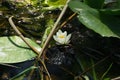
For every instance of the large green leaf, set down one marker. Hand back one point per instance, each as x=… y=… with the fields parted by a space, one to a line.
x=95 y=3
x=14 y=50
x=92 y=19
x=112 y=22
x=95 y=24
x=77 y=5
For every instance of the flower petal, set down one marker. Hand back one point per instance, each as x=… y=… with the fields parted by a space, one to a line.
x=62 y=41
x=55 y=38
x=62 y=37
x=67 y=40
x=64 y=33
x=59 y=32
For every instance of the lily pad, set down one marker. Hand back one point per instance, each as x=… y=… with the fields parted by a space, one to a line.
x=98 y=21
x=13 y=50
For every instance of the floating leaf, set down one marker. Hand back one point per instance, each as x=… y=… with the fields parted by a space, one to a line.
x=95 y=3
x=14 y=50
x=95 y=24
x=96 y=21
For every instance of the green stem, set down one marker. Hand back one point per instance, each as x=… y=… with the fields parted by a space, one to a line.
x=30 y=68
x=93 y=71
x=106 y=71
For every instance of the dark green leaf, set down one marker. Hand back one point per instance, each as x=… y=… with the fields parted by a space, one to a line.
x=95 y=24
x=112 y=22
x=110 y=11
x=118 y=3
x=98 y=4
x=76 y=6
x=96 y=21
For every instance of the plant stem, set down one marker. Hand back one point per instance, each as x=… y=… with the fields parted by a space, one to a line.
x=66 y=21
x=93 y=71
x=21 y=36
x=106 y=71
x=46 y=70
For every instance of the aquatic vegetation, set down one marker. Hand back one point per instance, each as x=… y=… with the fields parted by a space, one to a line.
x=59 y=39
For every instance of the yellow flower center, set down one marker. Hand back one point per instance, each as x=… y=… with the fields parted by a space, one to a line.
x=61 y=36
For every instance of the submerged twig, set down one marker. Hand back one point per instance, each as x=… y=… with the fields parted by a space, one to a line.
x=95 y=65
x=9 y=65
x=2 y=24
x=69 y=18
x=66 y=70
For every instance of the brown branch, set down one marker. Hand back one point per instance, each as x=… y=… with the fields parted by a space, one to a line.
x=21 y=36
x=66 y=21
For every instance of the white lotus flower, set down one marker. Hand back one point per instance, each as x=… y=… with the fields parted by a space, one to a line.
x=62 y=37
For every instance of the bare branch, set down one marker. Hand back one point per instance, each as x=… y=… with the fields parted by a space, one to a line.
x=21 y=36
